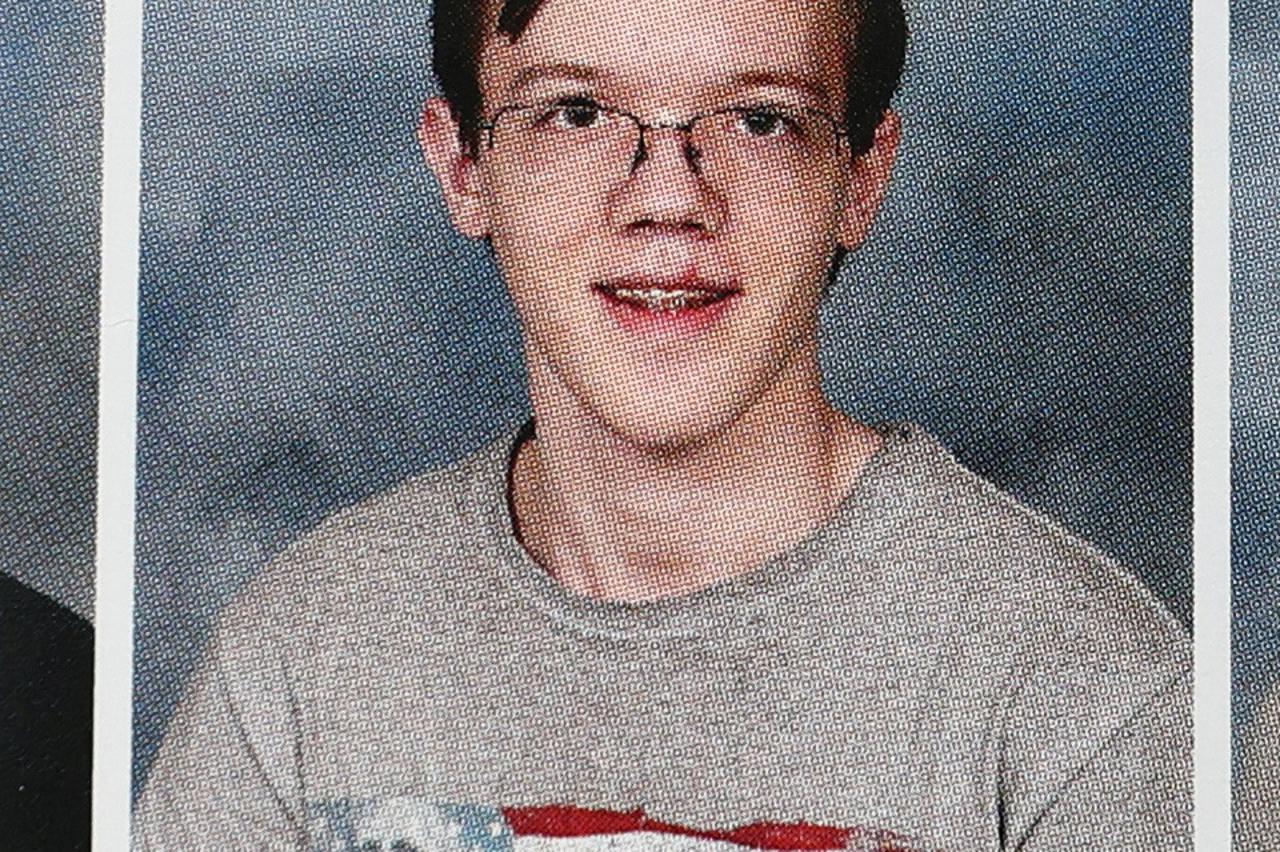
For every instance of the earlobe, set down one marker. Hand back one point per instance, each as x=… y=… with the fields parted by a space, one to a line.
x=869 y=182
x=456 y=171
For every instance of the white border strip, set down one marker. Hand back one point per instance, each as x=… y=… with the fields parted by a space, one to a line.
x=1212 y=327
x=117 y=384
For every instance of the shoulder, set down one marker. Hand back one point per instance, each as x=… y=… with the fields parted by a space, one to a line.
x=1257 y=807
x=1019 y=572
x=47 y=631
x=1087 y=656
x=46 y=701
x=48 y=652
x=387 y=552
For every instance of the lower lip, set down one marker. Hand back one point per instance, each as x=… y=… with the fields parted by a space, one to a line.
x=685 y=322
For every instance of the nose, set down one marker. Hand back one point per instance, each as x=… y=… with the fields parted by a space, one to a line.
x=666 y=189
x=683 y=136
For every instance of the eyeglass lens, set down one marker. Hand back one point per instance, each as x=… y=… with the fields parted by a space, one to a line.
x=586 y=139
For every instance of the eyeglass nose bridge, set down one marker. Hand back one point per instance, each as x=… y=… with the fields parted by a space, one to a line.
x=692 y=154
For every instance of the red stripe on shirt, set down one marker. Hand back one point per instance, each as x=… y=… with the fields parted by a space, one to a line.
x=572 y=821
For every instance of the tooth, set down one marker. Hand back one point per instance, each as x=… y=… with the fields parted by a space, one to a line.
x=657 y=299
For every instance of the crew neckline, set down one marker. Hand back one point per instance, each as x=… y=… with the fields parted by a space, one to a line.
x=701 y=614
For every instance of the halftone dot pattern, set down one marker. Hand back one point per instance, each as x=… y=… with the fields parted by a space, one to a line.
x=1257 y=795
x=313 y=331
x=50 y=131
x=1255 y=421
x=936 y=663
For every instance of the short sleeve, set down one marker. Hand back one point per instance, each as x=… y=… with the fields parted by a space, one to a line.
x=1135 y=793
x=226 y=774
x=1257 y=801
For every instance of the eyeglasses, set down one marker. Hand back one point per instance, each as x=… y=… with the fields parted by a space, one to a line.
x=580 y=138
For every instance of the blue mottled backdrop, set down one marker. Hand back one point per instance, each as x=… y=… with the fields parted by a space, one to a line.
x=1255 y=353
x=51 y=137
x=313 y=332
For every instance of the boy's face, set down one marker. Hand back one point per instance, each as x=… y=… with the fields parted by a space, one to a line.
x=665 y=292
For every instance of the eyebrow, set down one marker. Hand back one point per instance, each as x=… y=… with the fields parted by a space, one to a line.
x=802 y=83
x=806 y=85
x=557 y=71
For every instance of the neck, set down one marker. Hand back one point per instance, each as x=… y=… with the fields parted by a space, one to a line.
x=619 y=519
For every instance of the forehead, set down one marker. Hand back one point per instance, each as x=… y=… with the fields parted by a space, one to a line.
x=668 y=48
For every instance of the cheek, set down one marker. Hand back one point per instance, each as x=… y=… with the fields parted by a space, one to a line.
x=537 y=211
x=539 y=234
x=791 y=228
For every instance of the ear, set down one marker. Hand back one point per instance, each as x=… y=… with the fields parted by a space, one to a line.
x=869 y=182
x=458 y=172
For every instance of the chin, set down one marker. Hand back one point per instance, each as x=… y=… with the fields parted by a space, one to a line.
x=669 y=425
x=656 y=407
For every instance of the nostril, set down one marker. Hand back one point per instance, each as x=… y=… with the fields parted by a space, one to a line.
x=693 y=154
x=642 y=153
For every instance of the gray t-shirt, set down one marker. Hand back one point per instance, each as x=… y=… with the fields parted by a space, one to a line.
x=1257 y=801
x=936 y=668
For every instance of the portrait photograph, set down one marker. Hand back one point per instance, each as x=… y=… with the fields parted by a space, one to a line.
x=1255 y=428
x=664 y=424
x=50 y=132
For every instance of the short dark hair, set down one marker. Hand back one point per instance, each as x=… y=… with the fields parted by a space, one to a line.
x=875 y=59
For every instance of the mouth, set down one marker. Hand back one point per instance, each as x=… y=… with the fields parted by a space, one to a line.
x=661 y=296
x=670 y=308
x=655 y=299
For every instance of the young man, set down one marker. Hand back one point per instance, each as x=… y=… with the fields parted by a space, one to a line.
x=694 y=606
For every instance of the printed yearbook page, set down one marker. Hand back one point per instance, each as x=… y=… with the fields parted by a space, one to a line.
x=660 y=424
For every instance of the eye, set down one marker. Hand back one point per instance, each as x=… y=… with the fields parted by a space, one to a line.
x=573 y=114
x=766 y=122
